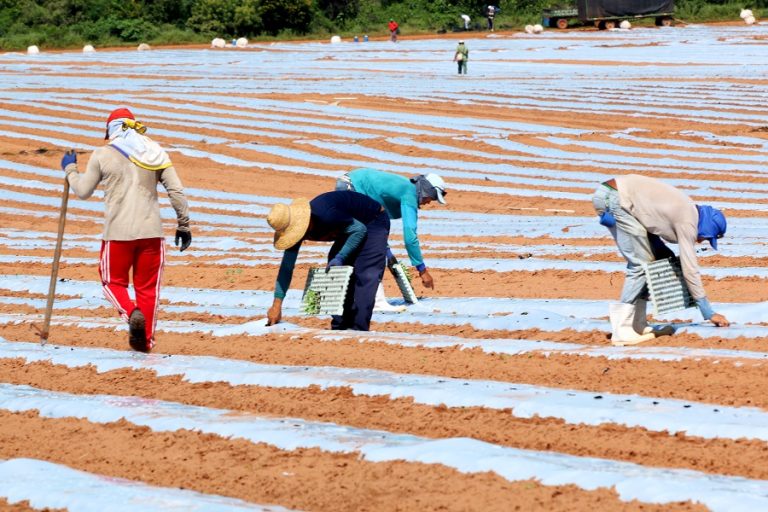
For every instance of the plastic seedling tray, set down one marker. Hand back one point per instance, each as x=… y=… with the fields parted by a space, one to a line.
x=324 y=292
x=667 y=286
x=401 y=277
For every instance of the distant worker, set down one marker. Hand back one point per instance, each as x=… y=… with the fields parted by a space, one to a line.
x=401 y=198
x=642 y=213
x=490 y=13
x=461 y=57
x=466 y=19
x=393 y=30
x=357 y=225
x=130 y=166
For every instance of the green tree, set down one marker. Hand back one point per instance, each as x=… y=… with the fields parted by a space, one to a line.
x=213 y=17
x=277 y=15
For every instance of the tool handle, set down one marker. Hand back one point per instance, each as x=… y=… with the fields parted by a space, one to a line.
x=55 y=267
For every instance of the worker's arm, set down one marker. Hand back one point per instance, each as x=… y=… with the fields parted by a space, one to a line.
x=411 y=239
x=283 y=282
x=692 y=275
x=84 y=184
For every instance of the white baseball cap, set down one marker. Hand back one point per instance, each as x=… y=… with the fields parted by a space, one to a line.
x=437 y=182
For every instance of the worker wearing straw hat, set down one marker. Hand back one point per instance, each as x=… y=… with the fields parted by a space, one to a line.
x=357 y=225
x=642 y=213
x=130 y=166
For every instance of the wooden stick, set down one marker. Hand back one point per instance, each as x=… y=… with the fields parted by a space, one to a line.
x=55 y=267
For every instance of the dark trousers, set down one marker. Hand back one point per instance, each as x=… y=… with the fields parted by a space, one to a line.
x=368 y=263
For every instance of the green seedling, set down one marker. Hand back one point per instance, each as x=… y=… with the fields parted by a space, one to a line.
x=311 y=305
x=406 y=272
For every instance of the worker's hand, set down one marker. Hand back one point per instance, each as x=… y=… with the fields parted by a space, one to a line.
x=70 y=157
x=719 y=320
x=335 y=262
x=185 y=237
x=426 y=279
x=391 y=260
x=275 y=313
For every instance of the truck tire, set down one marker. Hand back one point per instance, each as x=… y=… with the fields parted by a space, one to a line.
x=562 y=23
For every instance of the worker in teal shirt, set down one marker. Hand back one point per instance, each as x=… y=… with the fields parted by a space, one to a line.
x=401 y=198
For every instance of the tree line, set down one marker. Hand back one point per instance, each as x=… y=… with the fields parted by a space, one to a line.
x=68 y=23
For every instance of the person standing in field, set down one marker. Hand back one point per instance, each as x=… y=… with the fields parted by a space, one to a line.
x=641 y=214
x=401 y=197
x=393 y=29
x=490 y=13
x=357 y=225
x=130 y=167
x=461 y=57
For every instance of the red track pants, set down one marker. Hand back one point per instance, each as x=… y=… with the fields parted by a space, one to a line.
x=146 y=257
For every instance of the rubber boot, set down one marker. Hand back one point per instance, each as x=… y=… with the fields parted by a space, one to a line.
x=622 y=330
x=381 y=305
x=640 y=322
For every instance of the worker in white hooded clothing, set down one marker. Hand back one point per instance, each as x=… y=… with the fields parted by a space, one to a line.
x=401 y=197
x=641 y=214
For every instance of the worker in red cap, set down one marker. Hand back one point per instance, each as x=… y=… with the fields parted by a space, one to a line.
x=130 y=167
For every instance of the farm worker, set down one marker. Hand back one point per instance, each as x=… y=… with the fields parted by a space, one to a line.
x=490 y=13
x=461 y=56
x=357 y=225
x=466 y=19
x=130 y=166
x=642 y=213
x=393 y=28
x=401 y=198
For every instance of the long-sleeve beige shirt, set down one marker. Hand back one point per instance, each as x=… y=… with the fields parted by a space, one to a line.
x=665 y=211
x=131 y=207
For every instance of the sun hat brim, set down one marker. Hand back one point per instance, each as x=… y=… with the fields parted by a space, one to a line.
x=297 y=228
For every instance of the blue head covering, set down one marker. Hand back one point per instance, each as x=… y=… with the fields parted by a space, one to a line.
x=711 y=224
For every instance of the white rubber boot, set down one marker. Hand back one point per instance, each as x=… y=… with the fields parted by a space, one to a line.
x=640 y=322
x=623 y=332
x=381 y=305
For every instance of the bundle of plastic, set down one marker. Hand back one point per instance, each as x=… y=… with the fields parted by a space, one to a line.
x=747 y=16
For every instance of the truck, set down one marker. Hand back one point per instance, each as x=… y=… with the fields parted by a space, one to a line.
x=608 y=14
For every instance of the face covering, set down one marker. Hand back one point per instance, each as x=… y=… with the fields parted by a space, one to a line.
x=424 y=189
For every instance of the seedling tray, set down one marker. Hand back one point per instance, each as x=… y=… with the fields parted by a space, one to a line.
x=401 y=278
x=324 y=292
x=667 y=286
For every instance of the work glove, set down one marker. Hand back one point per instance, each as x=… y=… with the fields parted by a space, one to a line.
x=185 y=237
x=391 y=260
x=335 y=262
x=70 y=157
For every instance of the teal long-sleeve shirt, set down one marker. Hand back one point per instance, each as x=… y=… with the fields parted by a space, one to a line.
x=398 y=197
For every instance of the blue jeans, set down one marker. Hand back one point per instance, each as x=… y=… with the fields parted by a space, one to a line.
x=632 y=240
x=368 y=263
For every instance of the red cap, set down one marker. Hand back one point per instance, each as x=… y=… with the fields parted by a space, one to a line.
x=118 y=113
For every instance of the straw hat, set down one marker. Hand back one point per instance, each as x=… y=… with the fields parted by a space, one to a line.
x=290 y=222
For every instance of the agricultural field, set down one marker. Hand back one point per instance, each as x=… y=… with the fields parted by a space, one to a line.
x=499 y=389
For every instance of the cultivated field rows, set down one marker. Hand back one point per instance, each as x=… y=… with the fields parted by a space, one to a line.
x=499 y=389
